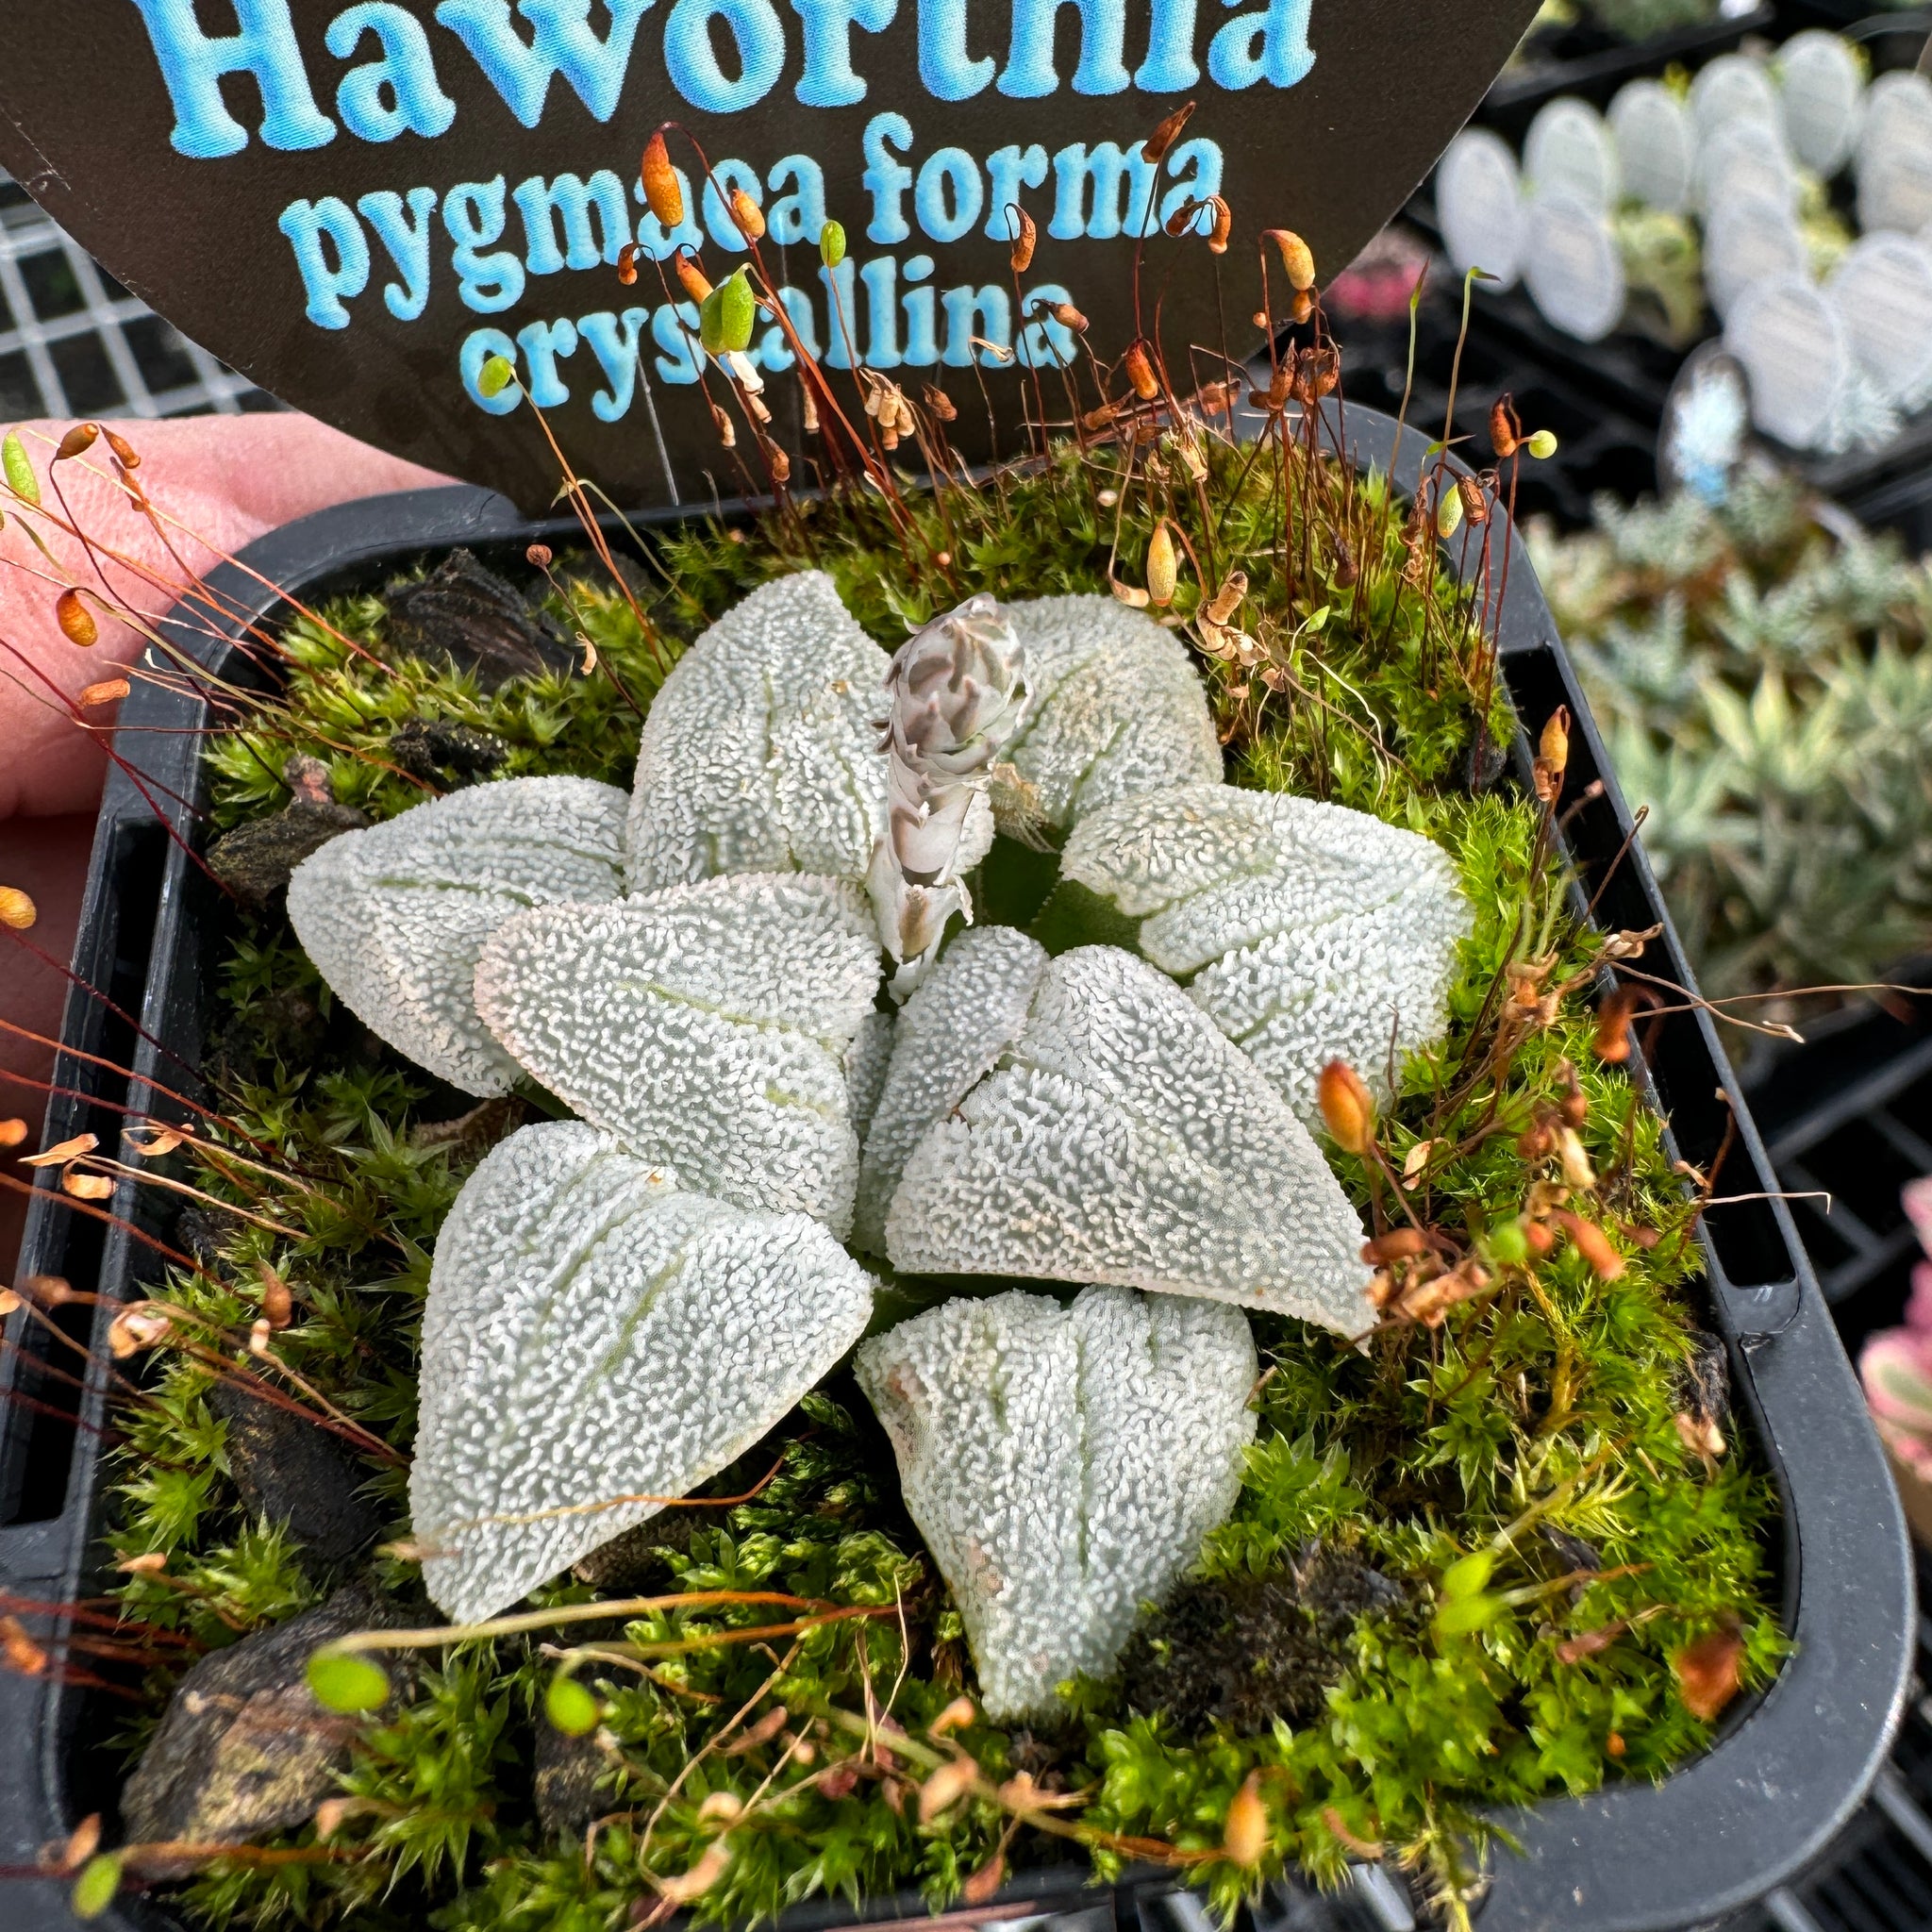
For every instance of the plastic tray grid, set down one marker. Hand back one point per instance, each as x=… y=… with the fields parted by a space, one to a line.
x=1877 y=1877
x=75 y=342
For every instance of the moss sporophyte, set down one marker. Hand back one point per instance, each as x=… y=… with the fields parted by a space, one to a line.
x=943 y=1167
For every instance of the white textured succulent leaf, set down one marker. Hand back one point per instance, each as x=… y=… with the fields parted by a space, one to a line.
x=704 y=1026
x=1063 y=1465
x=761 y=753
x=867 y=1061
x=395 y=916
x=1123 y=1140
x=594 y=1331
x=1117 y=708
x=1314 y=933
x=958 y=1022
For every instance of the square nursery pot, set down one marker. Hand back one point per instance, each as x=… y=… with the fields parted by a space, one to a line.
x=1786 y=1771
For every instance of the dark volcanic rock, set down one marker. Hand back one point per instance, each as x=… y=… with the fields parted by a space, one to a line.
x=428 y=748
x=635 y=1563
x=293 y=1472
x=567 y=1770
x=254 y=860
x=1244 y=1651
x=1706 y=1388
x=471 y=1136
x=243 y=1748
x=464 y=615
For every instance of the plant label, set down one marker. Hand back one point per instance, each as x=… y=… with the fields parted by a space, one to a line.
x=1747 y=239
x=1821 y=88
x=1882 y=291
x=1895 y=155
x=1479 y=205
x=1792 y=348
x=1734 y=86
x=1740 y=158
x=1568 y=151
x=1572 y=267
x=369 y=209
x=1656 y=143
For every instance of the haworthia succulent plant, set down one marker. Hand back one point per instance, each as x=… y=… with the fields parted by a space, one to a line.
x=706 y=1028
x=955 y=692
x=395 y=916
x=1063 y=1465
x=1123 y=1140
x=594 y=1331
x=1117 y=708
x=950 y=1032
x=761 y=753
x=1313 y=932
x=867 y=1061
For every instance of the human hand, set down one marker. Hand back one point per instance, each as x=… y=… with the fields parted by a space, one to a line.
x=226 y=479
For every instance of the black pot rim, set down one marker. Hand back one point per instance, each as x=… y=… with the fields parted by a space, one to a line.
x=1787 y=1771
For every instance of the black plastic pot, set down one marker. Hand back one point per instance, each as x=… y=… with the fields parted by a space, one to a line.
x=1789 y=1768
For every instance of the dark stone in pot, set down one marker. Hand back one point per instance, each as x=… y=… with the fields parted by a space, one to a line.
x=254 y=860
x=567 y=1770
x=296 y=1474
x=1245 y=1650
x=427 y=748
x=467 y=617
x=243 y=1748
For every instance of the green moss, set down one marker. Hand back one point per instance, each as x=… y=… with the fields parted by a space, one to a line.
x=1546 y=1402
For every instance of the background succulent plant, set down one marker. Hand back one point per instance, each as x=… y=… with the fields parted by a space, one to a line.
x=1766 y=689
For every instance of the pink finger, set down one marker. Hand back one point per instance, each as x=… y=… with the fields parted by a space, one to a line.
x=224 y=478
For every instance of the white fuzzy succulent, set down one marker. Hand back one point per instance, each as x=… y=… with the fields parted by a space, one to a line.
x=704 y=1026
x=594 y=1332
x=620 y=1306
x=759 y=754
x=396 y=916
x=1063 y=1465
x=1121 y=1139
x=949 y=1034
x=1117 y=709
x=1312 y=933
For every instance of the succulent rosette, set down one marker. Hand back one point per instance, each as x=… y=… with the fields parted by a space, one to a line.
x=1895 y=1365
x=759 y=984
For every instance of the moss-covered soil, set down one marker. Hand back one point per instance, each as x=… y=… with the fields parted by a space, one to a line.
x=1330 y=1662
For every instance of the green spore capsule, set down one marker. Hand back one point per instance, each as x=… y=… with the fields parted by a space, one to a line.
x=20 y=470
x=570 y=1708
x=832 y=244
x=1468 y=1574
x=725 y=318
x=95 y=1888
x=495 y=376
x=346 y=1681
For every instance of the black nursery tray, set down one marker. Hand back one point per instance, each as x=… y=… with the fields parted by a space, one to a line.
x=1616 y=389
x=1589 y=61
x=1789 y=1767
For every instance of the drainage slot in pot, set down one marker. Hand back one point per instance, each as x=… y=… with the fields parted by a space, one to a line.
x=51 y=1369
